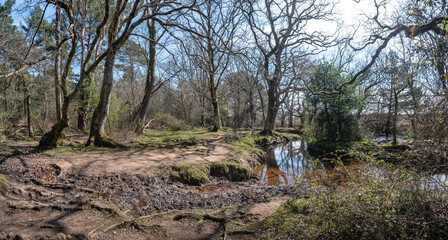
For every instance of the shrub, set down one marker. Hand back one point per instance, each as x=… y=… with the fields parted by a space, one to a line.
x=166 y=120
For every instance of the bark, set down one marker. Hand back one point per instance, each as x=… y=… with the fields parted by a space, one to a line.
x=57 y=65
x=216 y=113
x=291 y=113
x=414 y=110
x=202 y=111
x=251 y=111
x=150 y=79
x=271 y=114
x=394 y=123
x=55 y=136
x=97 y=136
x=440 y=60
x=84 y=94
x=83 y=110
x=28 y=112
x=212 y=85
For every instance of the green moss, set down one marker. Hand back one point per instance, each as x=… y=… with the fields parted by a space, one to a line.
x=196 y=217
x=192 y=174
x=197 y=174
x=155 y=139
x=232 y=171
x=3 y=182
x=247 y=143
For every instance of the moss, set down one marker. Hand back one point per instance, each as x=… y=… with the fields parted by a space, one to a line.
x=327 y=147
x=155 y=139
x=196 y=217
x=3 y=182
x=246 y=143
x=232 y=171
x=192 y=174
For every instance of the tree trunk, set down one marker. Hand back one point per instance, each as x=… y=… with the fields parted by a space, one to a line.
x=291 y=112
x=150 y=79
x=84 y=103
x=57 y=65
x=202 y=111
x=216 y=113
x=283 y=118
x=28 y=113
x=271 y=114
x=215 y=103
x=55 y=136
x=394 y=123
x=97 y=137
x=414 y=119
x=251 y=111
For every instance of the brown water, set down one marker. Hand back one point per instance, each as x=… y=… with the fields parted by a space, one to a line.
x=289 y=163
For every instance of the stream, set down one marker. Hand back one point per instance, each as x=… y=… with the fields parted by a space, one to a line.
x=287 y=164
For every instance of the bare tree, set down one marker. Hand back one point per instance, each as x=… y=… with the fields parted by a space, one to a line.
x=53 y=138
x=383 y=32
x=215 y=25
x=126 y=16
x=279 y=31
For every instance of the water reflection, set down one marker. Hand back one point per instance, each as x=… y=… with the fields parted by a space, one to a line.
x=436 y=181
x=285 y=164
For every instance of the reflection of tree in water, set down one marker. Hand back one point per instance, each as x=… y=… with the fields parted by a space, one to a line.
x=273 y=174
x=284 y=164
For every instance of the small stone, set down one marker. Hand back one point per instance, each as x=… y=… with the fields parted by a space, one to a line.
x=61 y=236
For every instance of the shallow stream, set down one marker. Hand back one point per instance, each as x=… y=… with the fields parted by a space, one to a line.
x=290 y=163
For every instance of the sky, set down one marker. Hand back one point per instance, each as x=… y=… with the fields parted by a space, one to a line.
x=350 y=11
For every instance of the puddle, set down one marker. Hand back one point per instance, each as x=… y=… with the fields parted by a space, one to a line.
x=386 y=139
x=286 y=164
x=436 y=181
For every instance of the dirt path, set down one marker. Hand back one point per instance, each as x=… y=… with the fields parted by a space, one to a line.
x=143 y=162
x=37 y=210
x=122 y=195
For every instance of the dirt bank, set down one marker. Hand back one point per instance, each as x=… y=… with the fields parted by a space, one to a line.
x=123 y=194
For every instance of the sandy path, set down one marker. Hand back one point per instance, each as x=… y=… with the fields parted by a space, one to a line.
x=142 y=161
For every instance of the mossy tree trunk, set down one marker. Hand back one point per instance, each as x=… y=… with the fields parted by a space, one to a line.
x=97 y=137
x=54 y=137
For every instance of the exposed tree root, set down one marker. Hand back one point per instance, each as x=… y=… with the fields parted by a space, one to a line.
x=64 y=186
x=33 y=205
x=102 y=140
x=223 y=221
x=53 y=138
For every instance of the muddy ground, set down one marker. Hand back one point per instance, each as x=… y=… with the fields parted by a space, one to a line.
x=128 y=195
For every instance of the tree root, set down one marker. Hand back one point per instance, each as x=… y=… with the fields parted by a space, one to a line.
x=26 y=205
x=102 y=140
x=223 y=221
x=64 y=186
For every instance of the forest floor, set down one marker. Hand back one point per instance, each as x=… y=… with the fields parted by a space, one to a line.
x=77 y=193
